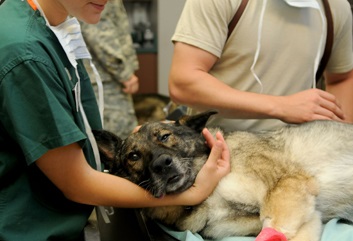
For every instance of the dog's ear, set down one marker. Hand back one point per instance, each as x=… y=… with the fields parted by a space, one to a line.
x=196 y=122
x=109 y=145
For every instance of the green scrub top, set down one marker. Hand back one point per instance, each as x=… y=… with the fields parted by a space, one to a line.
x=38 y=113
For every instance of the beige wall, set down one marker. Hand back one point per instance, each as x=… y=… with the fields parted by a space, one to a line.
x=168 y=15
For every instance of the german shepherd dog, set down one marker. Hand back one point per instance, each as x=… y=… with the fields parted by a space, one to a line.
x=291 y=179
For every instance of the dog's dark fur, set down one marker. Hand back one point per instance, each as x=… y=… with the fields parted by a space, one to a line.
x=289 y=179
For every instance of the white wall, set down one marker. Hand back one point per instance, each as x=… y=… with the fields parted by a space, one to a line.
x=168 y=15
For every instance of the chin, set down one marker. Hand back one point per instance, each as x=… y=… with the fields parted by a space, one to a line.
x=91 y=19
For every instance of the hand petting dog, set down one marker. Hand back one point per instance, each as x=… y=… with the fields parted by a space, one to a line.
x=217 y=166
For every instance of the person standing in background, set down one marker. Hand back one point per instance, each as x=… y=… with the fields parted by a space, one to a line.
x=114 y=55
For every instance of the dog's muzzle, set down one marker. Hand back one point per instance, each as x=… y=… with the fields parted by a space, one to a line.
x=165 y=174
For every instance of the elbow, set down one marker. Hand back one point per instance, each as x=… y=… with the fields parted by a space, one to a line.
x=81 y=197
x=73 y=196
x=83 y=191
x=178 y=91
x=175 y=96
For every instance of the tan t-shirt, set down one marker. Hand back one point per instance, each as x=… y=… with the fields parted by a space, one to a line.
x=290 y=39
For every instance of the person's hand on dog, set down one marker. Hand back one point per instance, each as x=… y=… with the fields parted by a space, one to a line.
x=309 y=105
x=216 y=167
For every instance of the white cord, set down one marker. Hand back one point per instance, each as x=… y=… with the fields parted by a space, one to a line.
x=258 y=48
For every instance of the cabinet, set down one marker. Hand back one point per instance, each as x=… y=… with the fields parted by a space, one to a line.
x=163 y=16
x=147 y=73
x=143 y=27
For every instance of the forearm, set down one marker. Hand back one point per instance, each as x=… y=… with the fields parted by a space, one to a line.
x=103 y=189
x=202 y=91
x=97 y=188
x=67 y=168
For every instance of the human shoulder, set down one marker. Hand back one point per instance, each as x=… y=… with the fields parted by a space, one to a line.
x=341 y=59
x=25 y=37
x=213 y=8
x=341 y=10
x=21 y=53
x=204 y=23
x=342 y=4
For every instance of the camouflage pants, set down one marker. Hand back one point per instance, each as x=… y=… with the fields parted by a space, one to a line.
x=119 y=113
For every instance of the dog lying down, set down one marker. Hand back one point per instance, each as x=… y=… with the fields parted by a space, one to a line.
x=291 y=179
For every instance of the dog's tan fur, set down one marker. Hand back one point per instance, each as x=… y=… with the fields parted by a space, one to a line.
x=291 y=179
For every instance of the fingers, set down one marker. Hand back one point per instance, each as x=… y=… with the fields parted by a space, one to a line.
x=136 y=129
x=325 y=114
x=131 y=86
x=216 y=152
x=208 y=137
x=309 y=105
x=225 y=150
x=331 y=109
x=215 y=168
x=219 y=158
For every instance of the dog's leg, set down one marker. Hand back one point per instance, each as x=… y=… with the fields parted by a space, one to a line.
x=219 y=221
x=290 y=208
x=310 y=230
x=237 y=226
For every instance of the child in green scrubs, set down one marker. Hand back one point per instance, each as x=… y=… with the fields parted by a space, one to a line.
x=48 y=178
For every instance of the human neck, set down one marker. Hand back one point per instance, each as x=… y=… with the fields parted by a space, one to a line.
x=54 y=11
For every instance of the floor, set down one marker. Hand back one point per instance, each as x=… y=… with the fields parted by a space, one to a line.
x=91 y=230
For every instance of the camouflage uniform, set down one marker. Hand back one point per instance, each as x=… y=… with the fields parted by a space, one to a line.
x=111 y=47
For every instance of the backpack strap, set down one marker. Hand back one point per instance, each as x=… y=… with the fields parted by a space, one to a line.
x=329 y=36
x=236 y=17
x=329 y=41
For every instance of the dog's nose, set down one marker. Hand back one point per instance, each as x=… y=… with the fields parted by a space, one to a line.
x=162 y=164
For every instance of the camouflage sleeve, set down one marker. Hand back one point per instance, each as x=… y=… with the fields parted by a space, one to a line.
x=110 y=43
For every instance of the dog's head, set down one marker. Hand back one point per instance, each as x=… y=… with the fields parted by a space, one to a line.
x=162 y=157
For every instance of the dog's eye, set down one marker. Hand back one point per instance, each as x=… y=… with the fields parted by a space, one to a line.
x=164 y=137
x=134 y=156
